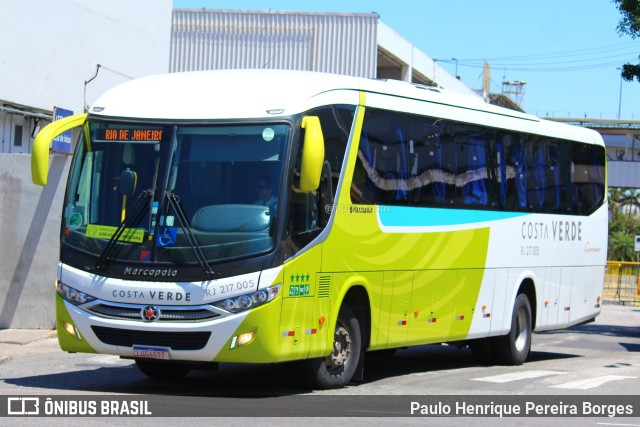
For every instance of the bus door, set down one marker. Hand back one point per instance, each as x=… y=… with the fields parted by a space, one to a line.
x=299 y=293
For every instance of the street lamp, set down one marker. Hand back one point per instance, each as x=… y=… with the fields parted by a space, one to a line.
x=457 y=76
x=620 y=96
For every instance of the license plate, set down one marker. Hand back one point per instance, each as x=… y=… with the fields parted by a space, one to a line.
x=147 y=352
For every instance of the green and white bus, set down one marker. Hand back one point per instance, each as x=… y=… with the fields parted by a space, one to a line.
x=397 y=215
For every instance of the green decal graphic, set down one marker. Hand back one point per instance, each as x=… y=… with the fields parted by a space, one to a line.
x=299 y=286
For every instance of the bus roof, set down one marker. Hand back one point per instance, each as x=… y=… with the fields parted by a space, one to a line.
x=235 y=94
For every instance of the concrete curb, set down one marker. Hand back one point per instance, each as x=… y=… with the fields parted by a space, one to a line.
x=25 y=336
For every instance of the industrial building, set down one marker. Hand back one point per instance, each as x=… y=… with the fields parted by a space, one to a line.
x=354 y=44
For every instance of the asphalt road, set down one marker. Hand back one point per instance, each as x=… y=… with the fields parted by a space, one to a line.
x=594 y=362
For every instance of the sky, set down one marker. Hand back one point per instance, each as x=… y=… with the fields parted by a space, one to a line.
x=566 y=51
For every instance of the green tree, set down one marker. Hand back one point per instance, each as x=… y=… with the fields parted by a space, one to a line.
x=623 y=228
x=615 y=197
x=629 y=25
x=621 y=247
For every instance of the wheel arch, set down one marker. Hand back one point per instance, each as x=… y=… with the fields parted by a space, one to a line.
x=357 y=298
x=528 y=287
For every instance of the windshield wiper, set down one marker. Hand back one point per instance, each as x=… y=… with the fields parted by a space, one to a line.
x=174 y=202
x=132 y=218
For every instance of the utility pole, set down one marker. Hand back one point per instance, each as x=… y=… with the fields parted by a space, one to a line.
x=486 y=80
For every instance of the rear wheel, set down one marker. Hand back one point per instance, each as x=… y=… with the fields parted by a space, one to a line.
x=513 y=348
x=163 y=370
x=337 y=369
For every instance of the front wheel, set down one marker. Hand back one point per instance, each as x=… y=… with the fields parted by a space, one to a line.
x=513 y=348
x=337 y=369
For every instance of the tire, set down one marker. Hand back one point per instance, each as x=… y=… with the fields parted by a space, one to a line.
x=337 y=369
x=514 y=348
x=163 y=370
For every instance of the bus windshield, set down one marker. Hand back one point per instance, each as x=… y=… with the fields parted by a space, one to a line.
x=165 y=193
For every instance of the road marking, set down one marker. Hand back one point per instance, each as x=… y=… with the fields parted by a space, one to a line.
x=515 y=376
x=591 y=382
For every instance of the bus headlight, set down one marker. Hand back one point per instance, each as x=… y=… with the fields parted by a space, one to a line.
x=72 y=295
x=246 y=301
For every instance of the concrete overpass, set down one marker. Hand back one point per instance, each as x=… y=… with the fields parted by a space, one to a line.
x=622 y=139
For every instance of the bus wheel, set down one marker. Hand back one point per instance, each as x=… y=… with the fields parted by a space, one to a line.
x=337 y=369
x=163 y=370
x=513 y=348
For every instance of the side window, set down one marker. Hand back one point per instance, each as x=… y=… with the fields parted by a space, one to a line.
x=382 y=168
x=555 y=198
x=545 y=177
x=521 y=155
x=416 y=160
x=17 y=136
x=515 y=171
x=587 y=177
x=336 y=125
x=422 y=161
x=508 y=174
x=472 y=175
x=433 y=162
x=309 y=212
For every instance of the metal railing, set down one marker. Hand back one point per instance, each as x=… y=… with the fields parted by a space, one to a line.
x=621 y=283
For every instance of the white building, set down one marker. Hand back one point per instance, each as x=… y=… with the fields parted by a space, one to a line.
x=49 y=49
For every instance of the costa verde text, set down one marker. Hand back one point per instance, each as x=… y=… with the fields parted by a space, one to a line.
x=557 y=230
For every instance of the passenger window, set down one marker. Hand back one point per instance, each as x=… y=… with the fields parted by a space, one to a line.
x=425 y=161
x=432 y=162
x=587 y=177
x=382 y=170
x=472 y=175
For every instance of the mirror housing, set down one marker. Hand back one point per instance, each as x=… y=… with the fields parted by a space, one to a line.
x=128 y=182
x=42 y=144
x=312 y=154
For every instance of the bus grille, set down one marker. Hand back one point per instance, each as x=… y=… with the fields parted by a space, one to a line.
x=174 y=340
x=166 y=314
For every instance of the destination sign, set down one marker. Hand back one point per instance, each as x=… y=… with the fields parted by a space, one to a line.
x=130 y=135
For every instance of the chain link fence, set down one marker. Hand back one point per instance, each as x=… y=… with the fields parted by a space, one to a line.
x=621 y=283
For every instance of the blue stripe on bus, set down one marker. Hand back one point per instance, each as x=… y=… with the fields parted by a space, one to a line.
x=405 y=216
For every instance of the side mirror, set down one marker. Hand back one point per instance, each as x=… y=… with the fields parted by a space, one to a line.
x=312 y=154
x=42 y=144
